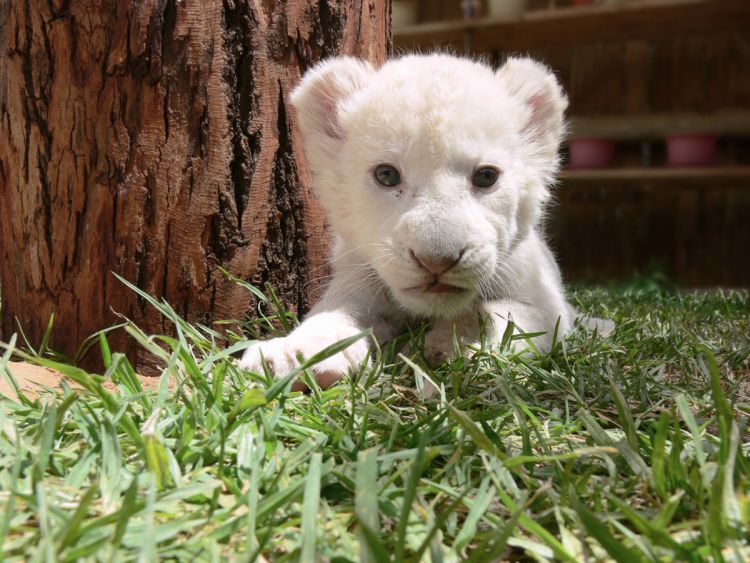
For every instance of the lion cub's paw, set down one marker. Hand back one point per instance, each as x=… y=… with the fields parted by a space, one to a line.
x=281 y=355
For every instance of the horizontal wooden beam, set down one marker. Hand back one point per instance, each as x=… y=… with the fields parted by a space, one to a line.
x=637 y=19
x=659 y=125
x=722 y=175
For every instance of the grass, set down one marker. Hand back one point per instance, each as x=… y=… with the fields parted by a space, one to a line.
x=633 y=447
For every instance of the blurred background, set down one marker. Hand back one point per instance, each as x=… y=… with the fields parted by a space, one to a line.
x=656 y=178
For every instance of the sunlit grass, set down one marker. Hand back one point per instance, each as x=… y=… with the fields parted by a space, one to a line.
x=632 y=447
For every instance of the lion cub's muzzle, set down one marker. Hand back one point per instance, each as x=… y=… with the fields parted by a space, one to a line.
x=437 y=265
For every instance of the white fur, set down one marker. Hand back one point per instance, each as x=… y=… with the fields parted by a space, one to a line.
x=436 y=119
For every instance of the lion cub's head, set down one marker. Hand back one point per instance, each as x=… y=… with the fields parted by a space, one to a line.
x=432 y=168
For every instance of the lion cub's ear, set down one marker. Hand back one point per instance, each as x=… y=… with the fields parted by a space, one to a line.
x=320 y=95
x=536 y=87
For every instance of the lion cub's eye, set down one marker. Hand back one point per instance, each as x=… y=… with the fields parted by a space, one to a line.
x=387 y=175
x=485 y=177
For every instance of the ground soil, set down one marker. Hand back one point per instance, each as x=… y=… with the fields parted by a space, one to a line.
x=33 y=380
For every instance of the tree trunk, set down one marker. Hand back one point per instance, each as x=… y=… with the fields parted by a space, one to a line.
x=154 y=139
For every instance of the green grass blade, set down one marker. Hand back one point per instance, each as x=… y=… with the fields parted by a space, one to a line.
x=659 y=456
x=536 y=529
x=724 y=414
x=158 y=461
x=310 y=508
x=477 y=436
x=69 y=533
x=47 y=441
x=479 y=506
x=626 y=415
x=652 y=530
x=407 y=499
x=619 y=551
x=128 y=507
x=104 y=348
x=366 y=505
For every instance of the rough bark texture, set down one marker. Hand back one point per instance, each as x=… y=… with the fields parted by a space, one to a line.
x=154 y=139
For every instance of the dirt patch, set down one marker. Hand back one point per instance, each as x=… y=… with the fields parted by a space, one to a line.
x=33 y=379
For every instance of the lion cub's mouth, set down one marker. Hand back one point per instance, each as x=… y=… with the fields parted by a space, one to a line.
x=436 y=287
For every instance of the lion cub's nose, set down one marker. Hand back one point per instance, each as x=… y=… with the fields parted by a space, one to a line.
x=437 y=264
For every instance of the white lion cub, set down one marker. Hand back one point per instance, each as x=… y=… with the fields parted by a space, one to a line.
x=434 y=171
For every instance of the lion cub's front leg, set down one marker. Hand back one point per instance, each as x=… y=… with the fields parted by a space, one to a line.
x=347 y=309
x=318 y=331
x=493 y=318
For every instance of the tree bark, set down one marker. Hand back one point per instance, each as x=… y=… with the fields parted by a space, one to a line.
x=154 y=139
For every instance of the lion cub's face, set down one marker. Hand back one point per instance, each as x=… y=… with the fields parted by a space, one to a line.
x=432 y=168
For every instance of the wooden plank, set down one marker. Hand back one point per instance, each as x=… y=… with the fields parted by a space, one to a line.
x=724 y=174
x=598 y=79
x=689 y=254
x=698 y=234
x=739 y=80
x=439 y=10
x=579 y=25
x=637 y=54
x=658 y=125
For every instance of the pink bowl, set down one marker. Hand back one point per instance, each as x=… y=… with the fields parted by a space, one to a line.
x=692 y=149
x=591 y=152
